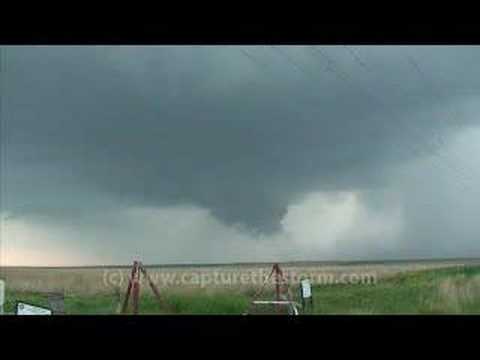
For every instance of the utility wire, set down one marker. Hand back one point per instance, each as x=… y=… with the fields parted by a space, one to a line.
x=438 y=161
x=291 y=61
x=332 y=67
x=419 y=148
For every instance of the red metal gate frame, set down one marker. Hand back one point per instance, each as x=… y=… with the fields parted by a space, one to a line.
x=279 y=281
x=134 y=286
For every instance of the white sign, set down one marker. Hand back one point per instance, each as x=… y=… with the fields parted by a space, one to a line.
x=2 y=295
x=306 y=289
x=27 y=309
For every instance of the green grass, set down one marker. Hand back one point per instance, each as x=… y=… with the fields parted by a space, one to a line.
x=199 y=301
x=433 y=291
x=202 y=303
x=445 y=291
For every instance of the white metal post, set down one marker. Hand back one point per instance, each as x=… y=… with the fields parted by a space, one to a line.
x=2 y=296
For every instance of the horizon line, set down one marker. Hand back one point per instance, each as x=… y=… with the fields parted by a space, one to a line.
x=339 y=262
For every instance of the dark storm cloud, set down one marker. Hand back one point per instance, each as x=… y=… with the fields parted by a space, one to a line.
x=242 y=131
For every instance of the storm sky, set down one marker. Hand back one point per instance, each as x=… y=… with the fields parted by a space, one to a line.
x=198 y=154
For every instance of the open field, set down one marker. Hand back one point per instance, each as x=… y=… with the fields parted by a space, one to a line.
x=447 y=286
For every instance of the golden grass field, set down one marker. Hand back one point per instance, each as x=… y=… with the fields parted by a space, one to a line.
x=108 y=280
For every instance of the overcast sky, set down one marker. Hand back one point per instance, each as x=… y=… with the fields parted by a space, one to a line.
x=238 y=153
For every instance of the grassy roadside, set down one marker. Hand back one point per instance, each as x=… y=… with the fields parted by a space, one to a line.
x=197 y=301
x=441 y=291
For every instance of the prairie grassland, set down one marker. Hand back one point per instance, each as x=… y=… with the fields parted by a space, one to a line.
x=108 y=280
x=401 y=288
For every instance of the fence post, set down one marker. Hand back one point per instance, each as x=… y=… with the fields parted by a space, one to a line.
x=2 y=296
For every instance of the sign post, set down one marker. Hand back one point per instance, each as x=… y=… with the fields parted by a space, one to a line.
x=2 y=296
x=306 y=293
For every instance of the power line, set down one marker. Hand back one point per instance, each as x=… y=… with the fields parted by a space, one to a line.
x=332 y=67
x=356 y=58
x=431 y=147
x=428 y=82
x=291 y=61
x=252 y=58
x=460 y=177
x=437 y=140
